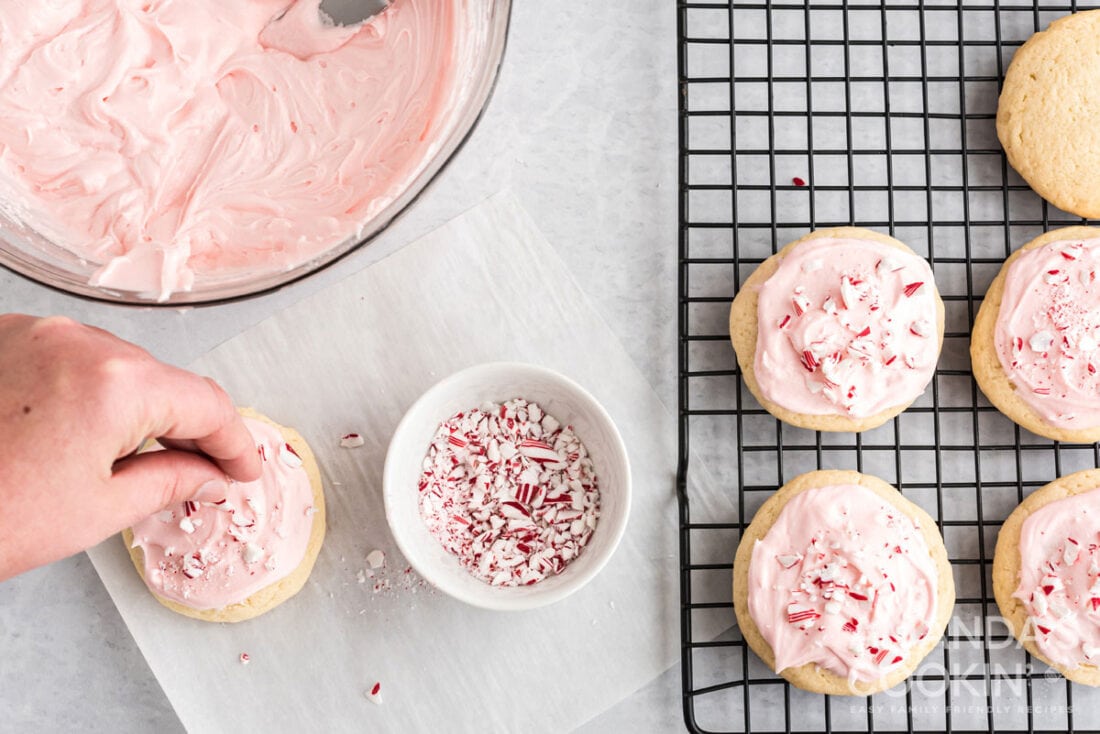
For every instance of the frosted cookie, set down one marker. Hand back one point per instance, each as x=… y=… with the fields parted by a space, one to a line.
x=838 y=331
x=841 y=585
x=1046 y=116
x=1046 y=575
x=1034 y=343
x=235 y=559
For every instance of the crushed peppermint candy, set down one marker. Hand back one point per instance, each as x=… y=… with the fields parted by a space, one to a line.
x=351 y=441
x=509 y=491
x=1040 y=341
x=889 y=264
x=374 y=693
x=911 y=289
x=921 y=328
x=289 y=456
x=252 y=552
x=376 y=558
x=787 y=560
x=193 y=565
x=245 y=658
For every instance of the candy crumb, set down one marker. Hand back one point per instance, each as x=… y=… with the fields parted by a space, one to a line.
x=376 y=558
x=289 y=456
x=245 y=658
x=374 y=693
x=351 y=440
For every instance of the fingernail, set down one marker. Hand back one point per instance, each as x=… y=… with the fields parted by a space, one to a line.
x=212 y=491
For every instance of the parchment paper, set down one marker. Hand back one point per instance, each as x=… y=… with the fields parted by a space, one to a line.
x=486 y=286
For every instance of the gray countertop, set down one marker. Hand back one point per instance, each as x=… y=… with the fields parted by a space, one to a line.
x=582 y=129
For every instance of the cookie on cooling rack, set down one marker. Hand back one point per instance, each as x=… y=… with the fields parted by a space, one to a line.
x=1046 y=116
x=1046 y=575
x=838 y=331
x=841 y=585
x=1034 y=347
x=237 y=558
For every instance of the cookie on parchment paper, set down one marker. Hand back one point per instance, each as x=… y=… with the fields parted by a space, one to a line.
x=233 y=560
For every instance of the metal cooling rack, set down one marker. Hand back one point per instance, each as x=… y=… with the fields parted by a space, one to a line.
x=795 y=116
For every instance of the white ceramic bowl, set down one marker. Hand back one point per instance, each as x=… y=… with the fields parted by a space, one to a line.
x=500 y=381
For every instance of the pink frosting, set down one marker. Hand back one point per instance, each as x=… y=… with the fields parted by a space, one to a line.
x=1060 y=578
x=845 y=580
x=207 y=555
x=1048 y=329
x=179 y=138
x=846 y=327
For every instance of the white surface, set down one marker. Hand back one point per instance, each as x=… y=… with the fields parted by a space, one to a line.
x=342 y=361
x=582 y=128
x=499 y=382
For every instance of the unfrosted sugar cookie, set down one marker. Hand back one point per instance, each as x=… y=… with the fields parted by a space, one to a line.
x=1034 y=347
x=234 y=559
x=841 y=585
x=839 y=331
x=1046 y=575
x=1046 y=116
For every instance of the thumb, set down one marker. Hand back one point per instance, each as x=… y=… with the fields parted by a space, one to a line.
x=147 y=483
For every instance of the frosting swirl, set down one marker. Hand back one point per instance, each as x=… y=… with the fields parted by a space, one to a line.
x=1048 y=331
x=208 y=555
x=180 y=138
x=1060 y=578
x=845 y=580
x=847 y=327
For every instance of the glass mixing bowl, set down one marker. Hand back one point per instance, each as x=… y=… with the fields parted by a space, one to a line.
x=32 y=254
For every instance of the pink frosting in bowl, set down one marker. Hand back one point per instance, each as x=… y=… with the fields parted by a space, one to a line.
x=1047 y=333
x=184 y=150
x=846 y=327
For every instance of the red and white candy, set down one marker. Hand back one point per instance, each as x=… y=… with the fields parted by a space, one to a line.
x=351 y=441
x=510 y=492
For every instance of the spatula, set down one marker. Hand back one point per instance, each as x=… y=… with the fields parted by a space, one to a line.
x=352 y=12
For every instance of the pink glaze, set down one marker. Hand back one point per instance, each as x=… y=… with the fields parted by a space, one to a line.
x=843 y=579
x=1060 y=578
x=169 y=139
x=846 y=327
x=1048 y=329
x=209 y=555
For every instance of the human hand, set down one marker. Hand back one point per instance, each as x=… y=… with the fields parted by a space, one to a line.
x=75 y=403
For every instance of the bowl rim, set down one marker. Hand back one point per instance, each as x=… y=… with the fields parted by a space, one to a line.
x=492 y=600
x=28 y=269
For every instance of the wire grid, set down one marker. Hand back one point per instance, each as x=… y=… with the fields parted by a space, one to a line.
x=796 y=116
